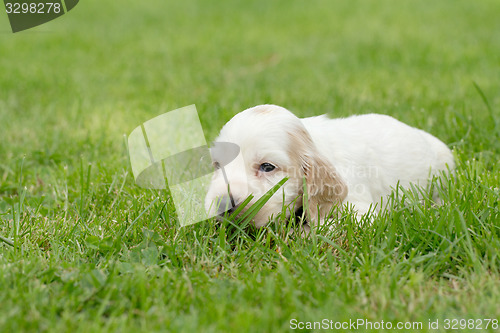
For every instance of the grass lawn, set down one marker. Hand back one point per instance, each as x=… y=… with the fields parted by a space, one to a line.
x=83 y=249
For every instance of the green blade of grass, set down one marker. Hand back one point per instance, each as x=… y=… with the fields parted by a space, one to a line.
x=247 y=217
x=6 y=241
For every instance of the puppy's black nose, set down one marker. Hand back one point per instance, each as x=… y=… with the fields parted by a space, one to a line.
x=224 y=204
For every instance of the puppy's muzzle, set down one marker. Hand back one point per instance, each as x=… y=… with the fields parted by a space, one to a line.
x=225 y=205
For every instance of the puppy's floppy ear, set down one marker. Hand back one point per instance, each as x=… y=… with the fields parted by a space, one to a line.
x=324 y=187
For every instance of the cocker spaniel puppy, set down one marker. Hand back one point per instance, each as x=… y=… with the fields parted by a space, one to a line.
x=357 y=160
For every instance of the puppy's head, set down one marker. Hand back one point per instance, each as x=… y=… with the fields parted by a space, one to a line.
x=273 y=145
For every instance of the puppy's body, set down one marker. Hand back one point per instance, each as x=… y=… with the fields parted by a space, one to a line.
x=373 y=153
x=356 y=160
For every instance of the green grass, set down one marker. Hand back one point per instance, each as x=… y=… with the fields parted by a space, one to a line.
x=84 y=249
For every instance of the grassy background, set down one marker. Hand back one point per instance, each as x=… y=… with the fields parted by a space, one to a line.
x=94 y=252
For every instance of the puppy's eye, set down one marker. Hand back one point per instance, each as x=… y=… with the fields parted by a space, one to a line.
x=266 y=167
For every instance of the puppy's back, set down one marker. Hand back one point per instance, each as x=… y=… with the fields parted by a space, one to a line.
x=379 y=150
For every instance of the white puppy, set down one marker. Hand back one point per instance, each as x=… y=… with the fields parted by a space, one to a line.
x=357 y=160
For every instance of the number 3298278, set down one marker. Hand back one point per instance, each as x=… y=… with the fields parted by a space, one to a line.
x=33 y=7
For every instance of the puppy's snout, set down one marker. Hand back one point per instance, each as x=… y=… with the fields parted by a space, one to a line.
x=225 y=203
